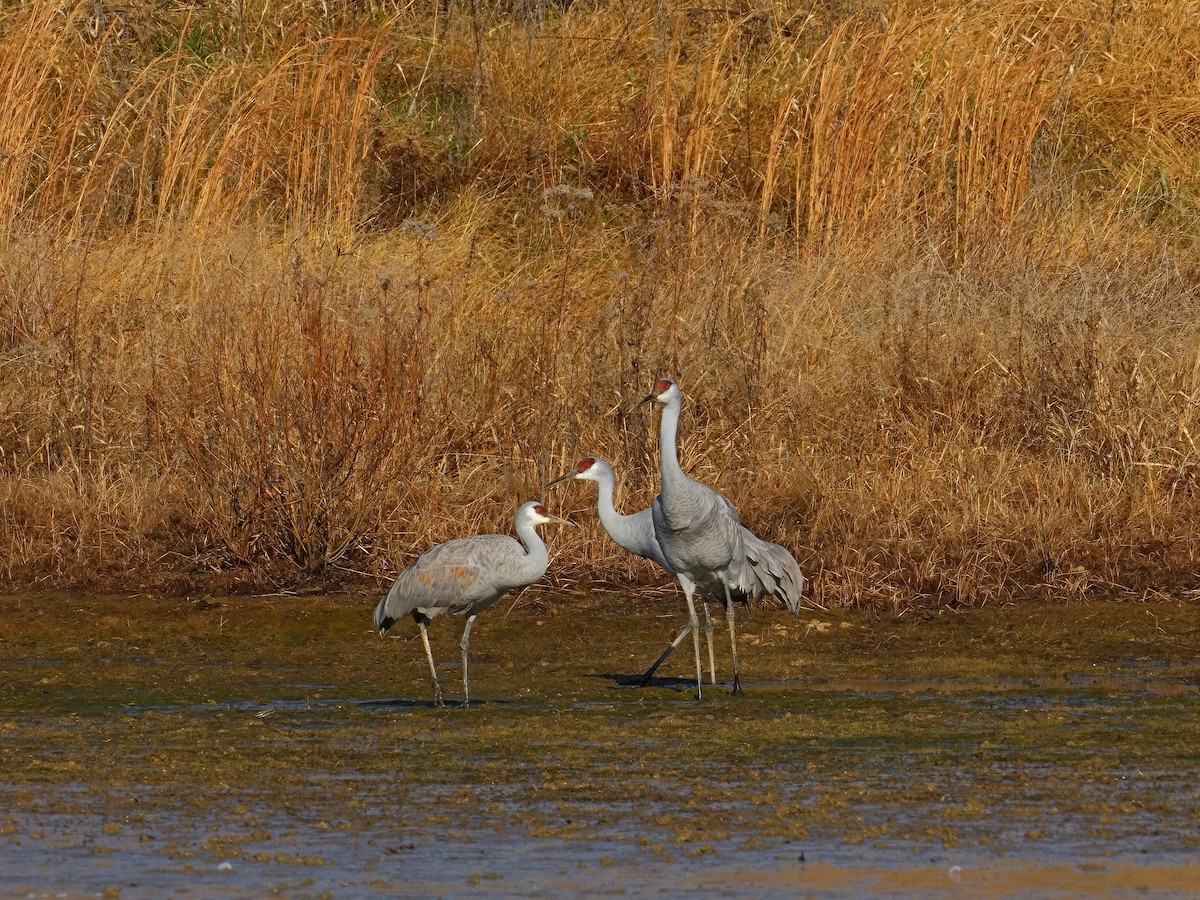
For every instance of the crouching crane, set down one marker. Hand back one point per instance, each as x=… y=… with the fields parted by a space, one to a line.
x=464 y=577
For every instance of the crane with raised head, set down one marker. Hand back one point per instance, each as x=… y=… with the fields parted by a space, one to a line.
x=704 y=543
x=464 y=577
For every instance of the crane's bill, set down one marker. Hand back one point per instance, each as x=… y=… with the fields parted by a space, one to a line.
x=559 y=480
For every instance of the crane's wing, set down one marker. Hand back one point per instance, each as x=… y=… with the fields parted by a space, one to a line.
x=700 y=534
x=769 y=569
x=450 y=577
x=695 y=506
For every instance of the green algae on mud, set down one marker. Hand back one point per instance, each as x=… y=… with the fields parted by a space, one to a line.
x=995 y=730
x=184 y=650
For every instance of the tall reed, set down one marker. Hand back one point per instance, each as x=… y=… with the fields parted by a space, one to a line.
x=291 y=291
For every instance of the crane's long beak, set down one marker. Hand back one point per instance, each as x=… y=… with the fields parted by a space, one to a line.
x=559 y=520
x=648 y=398
x=559 y=480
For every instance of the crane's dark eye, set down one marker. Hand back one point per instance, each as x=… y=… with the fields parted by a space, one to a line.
x=585 y=464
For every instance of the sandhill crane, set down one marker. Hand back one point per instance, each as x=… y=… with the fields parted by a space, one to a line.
x=634 y=533
x=466 y=576
x=704 y=543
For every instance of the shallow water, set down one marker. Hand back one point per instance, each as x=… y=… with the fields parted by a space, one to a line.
x=225 y=756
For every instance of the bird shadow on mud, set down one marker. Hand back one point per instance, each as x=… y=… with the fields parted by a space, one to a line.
x=399 y=704
x=429 y=704
x=640 y=681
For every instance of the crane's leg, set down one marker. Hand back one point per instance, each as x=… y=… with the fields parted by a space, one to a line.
x=649 y=673
x=464 y=644
x=708 y=630
x=437 y=686
x=729 y=608
x=694 y=624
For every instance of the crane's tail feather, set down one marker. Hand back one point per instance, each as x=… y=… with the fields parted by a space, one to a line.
x=772 y=570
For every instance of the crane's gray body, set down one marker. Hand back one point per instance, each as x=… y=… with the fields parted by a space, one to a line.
x=698 y=531
x=466 y=576
x=716 y=551
x=463 y=576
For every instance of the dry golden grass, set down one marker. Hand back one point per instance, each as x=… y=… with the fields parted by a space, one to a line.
x=290 y=292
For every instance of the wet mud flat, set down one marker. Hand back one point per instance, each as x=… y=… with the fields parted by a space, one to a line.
x=241 y=746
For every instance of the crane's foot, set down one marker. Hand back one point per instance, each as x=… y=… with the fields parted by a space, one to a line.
x=737 y=687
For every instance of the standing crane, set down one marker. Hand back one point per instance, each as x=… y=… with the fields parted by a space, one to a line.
x=634 y=533
x=704 y=543
x=464 y=577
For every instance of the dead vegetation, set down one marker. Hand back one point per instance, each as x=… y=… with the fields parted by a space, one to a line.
x=290 y=291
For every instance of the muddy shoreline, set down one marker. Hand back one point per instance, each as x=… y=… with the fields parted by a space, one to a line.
x=252 y=744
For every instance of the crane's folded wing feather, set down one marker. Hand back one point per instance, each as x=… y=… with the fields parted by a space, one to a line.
x=443 y=586
x=450 y=576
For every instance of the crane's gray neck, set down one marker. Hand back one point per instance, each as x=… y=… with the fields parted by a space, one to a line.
x=606 y=506
x=536 y=553
x=672 y=473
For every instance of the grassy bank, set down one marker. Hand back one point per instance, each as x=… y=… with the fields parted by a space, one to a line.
x=289 y=292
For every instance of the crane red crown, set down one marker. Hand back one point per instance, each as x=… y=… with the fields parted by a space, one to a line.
x=540 y=510
x=584 y=464
x=663 y=384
